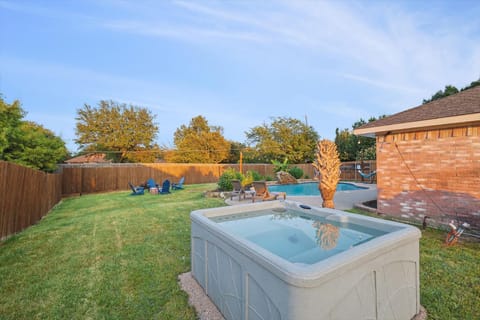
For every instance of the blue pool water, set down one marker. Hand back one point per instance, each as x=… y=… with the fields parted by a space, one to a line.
x=294 y=236
x=309 y=188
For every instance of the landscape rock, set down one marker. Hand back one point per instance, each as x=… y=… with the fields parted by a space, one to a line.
x=285 y=178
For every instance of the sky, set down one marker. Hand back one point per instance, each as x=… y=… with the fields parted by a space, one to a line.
x=239 y=64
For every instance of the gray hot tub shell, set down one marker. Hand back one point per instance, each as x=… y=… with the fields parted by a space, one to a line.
x=378 y=279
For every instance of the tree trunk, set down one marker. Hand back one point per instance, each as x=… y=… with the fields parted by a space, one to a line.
x=327 y=196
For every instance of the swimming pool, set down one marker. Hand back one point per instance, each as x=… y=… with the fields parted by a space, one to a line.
x=310 y=188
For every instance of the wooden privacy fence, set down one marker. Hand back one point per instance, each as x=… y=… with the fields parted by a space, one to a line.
x=26 y=195
x=350 y=170
x=79 y=179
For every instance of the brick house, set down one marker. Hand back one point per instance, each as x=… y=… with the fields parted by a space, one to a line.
x=428 y=160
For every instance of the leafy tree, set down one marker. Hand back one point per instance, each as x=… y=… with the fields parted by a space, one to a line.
x=235 y=149
x=449 y=90
x=128 y=132
x=199 y=143
x=283 y=138
x=351 y=147
x=37 y=148
x=10 y=120
x=346 y=143
x=368 y=153
x=472 y=84
x=28 y=143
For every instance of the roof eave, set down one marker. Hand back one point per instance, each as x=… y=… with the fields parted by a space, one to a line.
x=424 y=124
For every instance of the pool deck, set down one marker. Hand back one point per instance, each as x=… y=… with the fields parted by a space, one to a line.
x=344 y=200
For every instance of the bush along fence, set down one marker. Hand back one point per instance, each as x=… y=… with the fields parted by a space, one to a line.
x=28 y=195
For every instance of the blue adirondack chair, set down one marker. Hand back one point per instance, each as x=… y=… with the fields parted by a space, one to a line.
x=151 y=183
x=136 y=191
x=165 y=187
x=179 y=185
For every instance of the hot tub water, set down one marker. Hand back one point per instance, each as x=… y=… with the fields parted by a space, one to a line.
x=296 y=237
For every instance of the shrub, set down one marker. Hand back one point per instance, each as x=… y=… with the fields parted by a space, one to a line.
x=296 y=172
x=247 y=179
x=225 y=180
x=255 y=175
x=280 y=166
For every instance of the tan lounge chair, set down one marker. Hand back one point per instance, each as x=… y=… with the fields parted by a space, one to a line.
x=239 y=190
x=261 y=192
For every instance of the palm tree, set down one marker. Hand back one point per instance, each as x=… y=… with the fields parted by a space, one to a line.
x=327 y=163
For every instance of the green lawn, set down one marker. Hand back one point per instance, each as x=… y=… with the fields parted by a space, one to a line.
x=449 y=276
x=115 y=256
x=103 y=256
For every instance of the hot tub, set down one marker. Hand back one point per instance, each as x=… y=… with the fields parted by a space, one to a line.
x=283 y=260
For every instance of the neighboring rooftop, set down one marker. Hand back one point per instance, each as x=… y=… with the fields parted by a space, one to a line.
x=457 y=109
x=89 y=158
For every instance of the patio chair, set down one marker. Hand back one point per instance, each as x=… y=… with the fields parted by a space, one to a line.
x=136 y=191
x=165 y=187
x=261 y=192
x=239 y=190
x=151 y=183
x=179 y=185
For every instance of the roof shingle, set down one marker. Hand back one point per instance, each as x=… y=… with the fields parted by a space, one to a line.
x=463 y=103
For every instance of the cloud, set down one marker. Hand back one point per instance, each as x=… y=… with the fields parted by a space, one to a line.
x=385 y=45
x=193 y=34
x=33 y=69
x=261 y=58
x=170 y=103
x=381 y=84
x=389 y=44
x=47 y=11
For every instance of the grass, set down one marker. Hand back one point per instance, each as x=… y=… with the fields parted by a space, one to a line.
x=449 y=276
x=103 y=256
x=113 y=256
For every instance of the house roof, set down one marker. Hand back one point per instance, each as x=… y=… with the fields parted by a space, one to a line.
x=90 y=158
x=458 y=109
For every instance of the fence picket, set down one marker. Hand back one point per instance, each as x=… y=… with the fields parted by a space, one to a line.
x=26 y=196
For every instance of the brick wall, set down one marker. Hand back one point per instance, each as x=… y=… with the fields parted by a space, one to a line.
x=434 y=173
